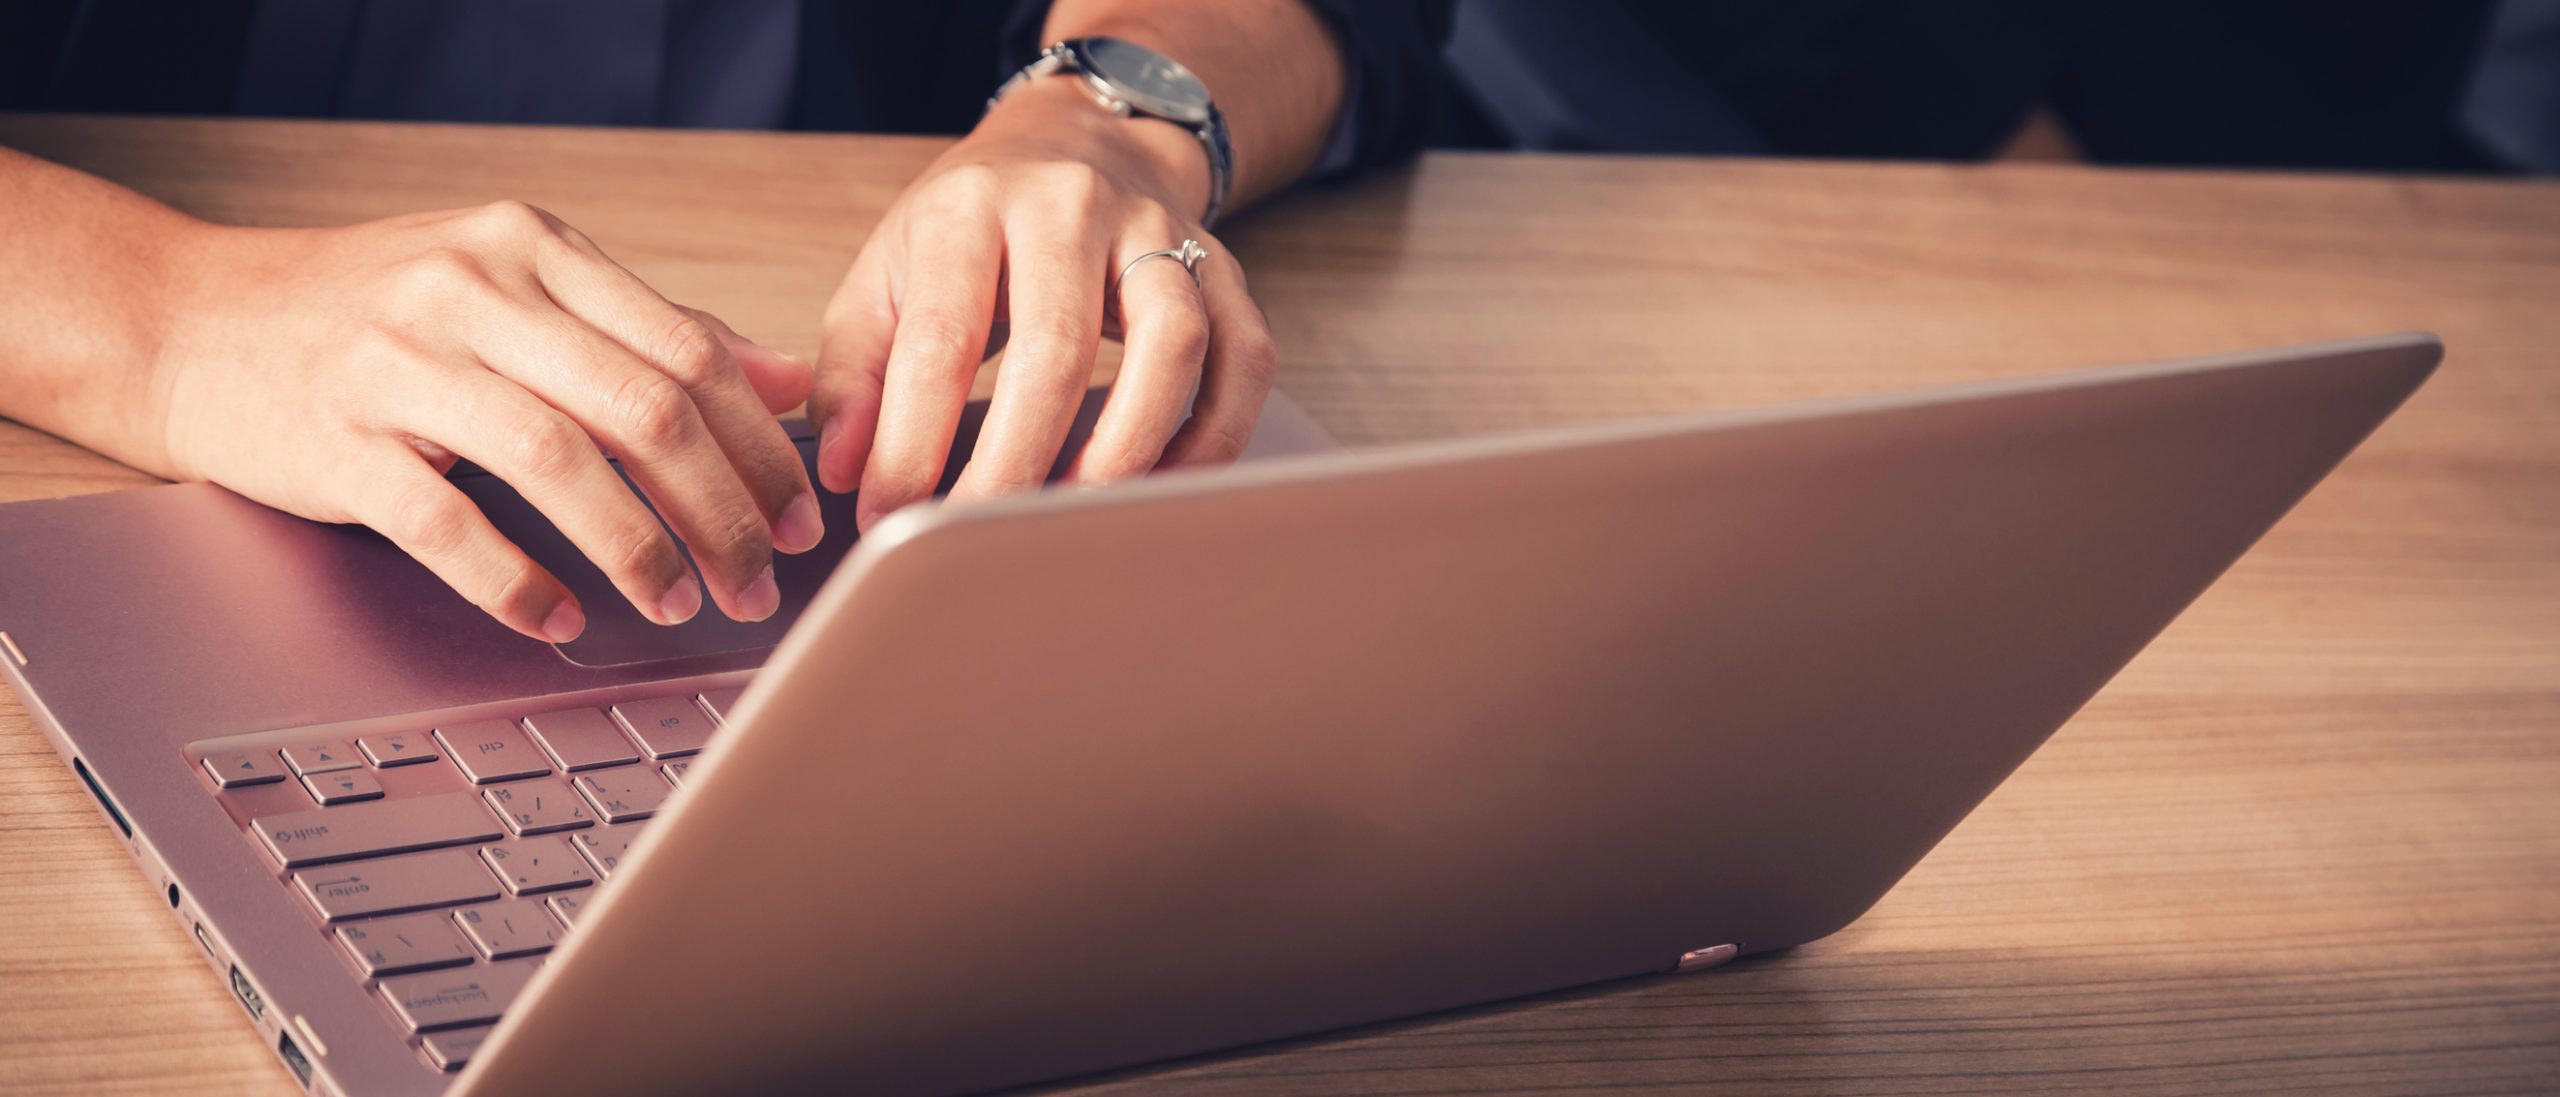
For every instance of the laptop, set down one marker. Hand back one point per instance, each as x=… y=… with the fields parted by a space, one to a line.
x=1077 y=780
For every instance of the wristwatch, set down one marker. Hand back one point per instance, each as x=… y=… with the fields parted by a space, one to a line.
x=1127 y=78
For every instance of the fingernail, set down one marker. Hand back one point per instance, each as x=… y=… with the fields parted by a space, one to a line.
x=565 y=623
x=800 y=527
x=680 y=602
x=761 y=597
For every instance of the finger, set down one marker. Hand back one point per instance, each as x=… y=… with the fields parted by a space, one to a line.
x=680 y=345
x=650 y=421
x=781 y=380
x=1237 y=376
x=392 y=489
x=853 y=358
x=1053 y=282
x=1168 y=339
x=950 y=289
x=551 y=461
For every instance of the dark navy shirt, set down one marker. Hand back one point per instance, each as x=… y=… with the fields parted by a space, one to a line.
x=912 y=66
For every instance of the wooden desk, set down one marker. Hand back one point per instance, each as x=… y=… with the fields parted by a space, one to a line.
x=2309 y=843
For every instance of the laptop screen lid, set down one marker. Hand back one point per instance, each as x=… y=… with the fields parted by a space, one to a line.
x=1055 y=784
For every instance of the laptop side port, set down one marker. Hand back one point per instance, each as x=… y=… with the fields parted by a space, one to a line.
x=294 y=1058
x=104 y=801
x=205 y=939
x=255 y=1002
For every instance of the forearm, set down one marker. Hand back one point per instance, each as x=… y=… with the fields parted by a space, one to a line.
x=87 y=274
x=1272 y=66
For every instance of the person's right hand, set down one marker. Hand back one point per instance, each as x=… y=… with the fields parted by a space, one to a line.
x=338 y=374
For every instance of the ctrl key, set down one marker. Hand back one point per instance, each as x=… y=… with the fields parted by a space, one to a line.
x=474 y=995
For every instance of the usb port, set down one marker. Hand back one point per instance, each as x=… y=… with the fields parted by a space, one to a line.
x=249 y=996
x=294 y=1058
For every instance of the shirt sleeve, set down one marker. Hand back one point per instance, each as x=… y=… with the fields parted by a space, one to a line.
x=1391 y=66
x=1391 y=69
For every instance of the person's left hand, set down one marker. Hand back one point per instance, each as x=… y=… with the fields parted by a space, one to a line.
x=1029 y=221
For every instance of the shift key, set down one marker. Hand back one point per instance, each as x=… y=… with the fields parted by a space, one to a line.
x=380 y=826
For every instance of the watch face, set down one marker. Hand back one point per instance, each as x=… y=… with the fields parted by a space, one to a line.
x=1150 y=81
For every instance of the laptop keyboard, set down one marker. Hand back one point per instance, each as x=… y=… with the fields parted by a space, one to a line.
x=445 y=862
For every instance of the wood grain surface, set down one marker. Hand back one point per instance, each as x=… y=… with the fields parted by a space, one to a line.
x=2309 y=843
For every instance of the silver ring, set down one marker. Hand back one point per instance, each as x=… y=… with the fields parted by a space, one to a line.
x=1189 y=255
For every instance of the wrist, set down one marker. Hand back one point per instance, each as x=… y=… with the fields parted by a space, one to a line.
x=199 y=265
x=117 y=401
x=1057 y=113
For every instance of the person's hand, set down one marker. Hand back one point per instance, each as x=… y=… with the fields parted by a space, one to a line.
x=338 y=373
x=1028 y=221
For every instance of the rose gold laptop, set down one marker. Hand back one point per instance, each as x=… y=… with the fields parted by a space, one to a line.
x=1084 y=779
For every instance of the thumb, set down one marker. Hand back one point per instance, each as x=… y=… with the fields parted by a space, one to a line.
x=779 y=379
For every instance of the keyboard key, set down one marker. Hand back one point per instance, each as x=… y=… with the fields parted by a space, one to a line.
x=301 y=838
x=509 y=928
x=474 y=995
x=415 y=942
x=345 y=786
x=581 y=738
x=721 y=702
x=536 y=865
x=400 y=748
x=667 y=727
x=568 y=906
x=622 y=795
x=675 y=772
x=396 y=884
x=605 y=847
x=321 y=757
x=492 y=750
x=539 y=807
x=450 y=1050
x=233 y=769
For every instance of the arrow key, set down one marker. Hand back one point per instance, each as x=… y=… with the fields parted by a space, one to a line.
x=345 y=786
x=399 y=748
x=232 y=769
x=325 y=756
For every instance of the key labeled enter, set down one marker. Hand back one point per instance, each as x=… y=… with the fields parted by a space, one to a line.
x=396 y=884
